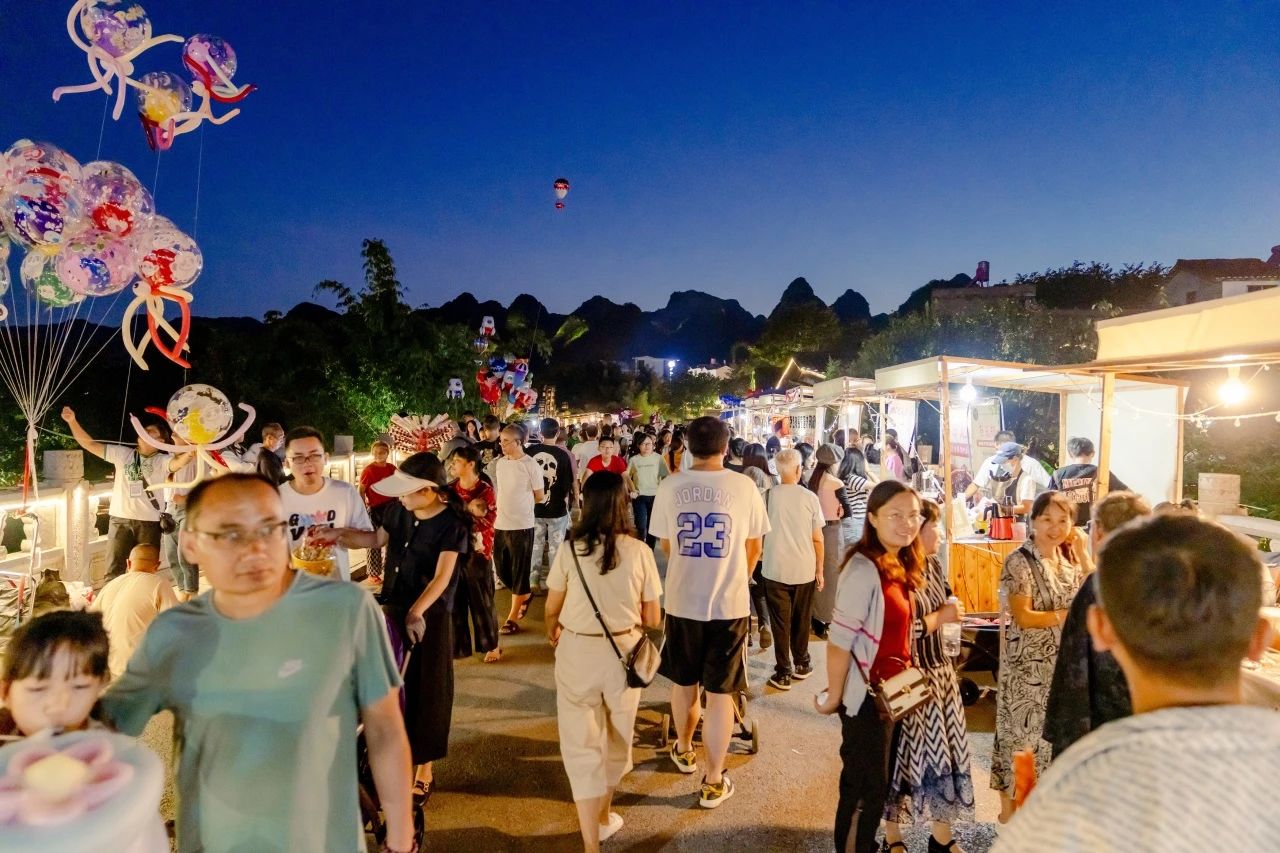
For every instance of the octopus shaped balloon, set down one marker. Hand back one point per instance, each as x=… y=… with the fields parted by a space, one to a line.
x=170 y=263
x=116 y=200
x=42 y=203
x=112 y=34
x=202 y=417
x=162 y=98
x=213 y=61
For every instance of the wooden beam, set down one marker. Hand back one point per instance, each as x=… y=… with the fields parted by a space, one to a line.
x=1182 y=410
x=1104 y=434
x=1063 y=459
x=944 y=445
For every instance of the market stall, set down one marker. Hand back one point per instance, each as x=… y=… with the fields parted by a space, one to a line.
x=1135 y=419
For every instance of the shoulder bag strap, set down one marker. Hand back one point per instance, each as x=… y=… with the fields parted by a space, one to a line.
x=146 y=487
x=1037 y=572
x=573 y=549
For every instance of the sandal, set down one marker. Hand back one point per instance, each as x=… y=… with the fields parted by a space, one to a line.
x=493 y=655
x=524 y=608
x=509 y=627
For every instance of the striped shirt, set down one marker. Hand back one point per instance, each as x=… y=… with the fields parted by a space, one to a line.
x=857 y=489
x=1173 y=780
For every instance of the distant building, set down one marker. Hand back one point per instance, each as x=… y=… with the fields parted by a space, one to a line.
x=960 y=300
x=1192 y=281
x=712 y=368
x=657 y=366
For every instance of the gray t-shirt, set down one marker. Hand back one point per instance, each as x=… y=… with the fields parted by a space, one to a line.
x=266 y=711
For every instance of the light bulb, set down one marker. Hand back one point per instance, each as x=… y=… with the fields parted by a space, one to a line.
x=1232 y=392
x=968 y=393
x=1237 y=422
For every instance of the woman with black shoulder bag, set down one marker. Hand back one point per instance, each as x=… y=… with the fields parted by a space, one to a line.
x=604 y=589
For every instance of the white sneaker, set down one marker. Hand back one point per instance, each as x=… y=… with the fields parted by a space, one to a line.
x=610 y=829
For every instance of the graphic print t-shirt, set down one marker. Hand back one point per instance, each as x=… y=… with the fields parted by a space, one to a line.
x=708 y=516
x=1080 y=484
x=337 y=504
x=557 y=479
x=134 y=472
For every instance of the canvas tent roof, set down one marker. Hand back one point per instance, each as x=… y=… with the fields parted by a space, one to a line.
x=920 y=379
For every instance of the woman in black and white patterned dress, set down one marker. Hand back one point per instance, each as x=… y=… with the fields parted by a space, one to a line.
x=931 y=779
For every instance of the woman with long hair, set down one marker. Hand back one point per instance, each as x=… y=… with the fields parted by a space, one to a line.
x=595 y=709
x=426 y=532
x=755 y=464
x=931 y=778
x=1039 y=579
x=869 y=641
x=473 y=606
x=857 y=486
x=471 y=430
x=835 y=506
x=644 y=472
x=675 y=451
x=662 y=443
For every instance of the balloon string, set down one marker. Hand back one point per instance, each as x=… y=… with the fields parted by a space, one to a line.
x=106 y=101
x=195 y=226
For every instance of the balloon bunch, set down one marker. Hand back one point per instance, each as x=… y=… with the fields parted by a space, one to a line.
x=201 y=416
x=92 y=231
x=418 y=433
x=506 y=385
x=113 y=33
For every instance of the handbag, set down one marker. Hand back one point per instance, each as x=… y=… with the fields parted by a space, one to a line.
x=641 y=663
x=900 y=695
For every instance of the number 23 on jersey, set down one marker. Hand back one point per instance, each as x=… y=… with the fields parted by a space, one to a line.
x=704 y=535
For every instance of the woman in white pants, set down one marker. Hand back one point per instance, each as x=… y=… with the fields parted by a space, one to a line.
x=596 y=710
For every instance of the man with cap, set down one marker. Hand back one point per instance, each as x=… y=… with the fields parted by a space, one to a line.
x=1005 y=478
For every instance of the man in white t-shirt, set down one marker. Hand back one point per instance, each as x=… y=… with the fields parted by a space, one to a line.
x=313 y=500
x=1008 y=475
x=129 y=604
x=518 y=486
x=793 y=553
x=135 y=509
x=588 y=449
x=711 y=521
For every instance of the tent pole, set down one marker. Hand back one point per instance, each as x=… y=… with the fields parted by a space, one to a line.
x=944 y=400
x=1104 y=434
x=1062 y=430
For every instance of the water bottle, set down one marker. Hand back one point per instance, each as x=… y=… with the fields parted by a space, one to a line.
x=951 y=634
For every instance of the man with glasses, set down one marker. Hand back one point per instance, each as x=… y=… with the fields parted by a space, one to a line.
x=313 y=500
x=267 y=677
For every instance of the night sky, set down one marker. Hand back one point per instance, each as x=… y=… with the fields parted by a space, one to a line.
x=727 y=147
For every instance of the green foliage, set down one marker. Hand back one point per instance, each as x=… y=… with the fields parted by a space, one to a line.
x=796 y=331
x=688 y=396
x=570 y=330
x=1085 y=286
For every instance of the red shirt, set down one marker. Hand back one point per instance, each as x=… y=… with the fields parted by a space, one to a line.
x=895 y=637
x=617 y=465
x=483 y=529
x=372 y=473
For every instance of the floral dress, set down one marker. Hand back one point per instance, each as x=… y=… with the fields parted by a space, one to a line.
x=1026 y=670
x=931 y=779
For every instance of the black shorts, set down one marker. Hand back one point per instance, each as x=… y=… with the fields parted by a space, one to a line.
x=512 y=558
x=712 y=653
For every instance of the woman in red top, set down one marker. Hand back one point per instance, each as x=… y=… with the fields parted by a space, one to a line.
x=475 y=592
x=378 y=469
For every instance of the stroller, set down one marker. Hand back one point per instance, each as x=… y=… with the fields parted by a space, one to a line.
x=370 y=808
x=745 y=728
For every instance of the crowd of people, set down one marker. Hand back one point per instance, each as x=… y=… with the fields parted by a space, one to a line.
x=764 y=545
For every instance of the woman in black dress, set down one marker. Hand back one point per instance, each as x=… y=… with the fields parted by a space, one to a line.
x=425 y=532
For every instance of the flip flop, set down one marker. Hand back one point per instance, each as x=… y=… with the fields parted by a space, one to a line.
x=493 y=655
x=509 y=627
x=524 y=608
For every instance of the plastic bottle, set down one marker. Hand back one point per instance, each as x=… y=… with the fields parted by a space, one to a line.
x=951 y=634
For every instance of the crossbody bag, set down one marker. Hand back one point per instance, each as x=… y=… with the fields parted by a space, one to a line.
x=900 y=695
x=167 y=522
x=641 y=663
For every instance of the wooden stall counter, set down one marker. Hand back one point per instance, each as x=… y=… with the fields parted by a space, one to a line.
x=973 y=567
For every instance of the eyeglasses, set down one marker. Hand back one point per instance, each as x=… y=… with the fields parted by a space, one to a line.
x=241 y=537
x=912 y=518
x=304 y=460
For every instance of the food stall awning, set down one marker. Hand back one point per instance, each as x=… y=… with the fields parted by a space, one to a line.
x=920 y=379
x=843 y=389
x=1236 y=330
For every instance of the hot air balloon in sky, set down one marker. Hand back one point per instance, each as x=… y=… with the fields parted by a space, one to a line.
x=562 y=190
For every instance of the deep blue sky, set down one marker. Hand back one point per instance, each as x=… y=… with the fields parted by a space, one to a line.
x=727 y=147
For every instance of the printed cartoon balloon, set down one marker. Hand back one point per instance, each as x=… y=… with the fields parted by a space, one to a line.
x=39 y=276
x=97 y=263
x=455 y=390
x=200 y=413
x=162 y=98
x=213 y=61
x=487 y=327
x=169 y=258
x=41 y=203
x=115 y=27
x=115 y=200
x=4 y=267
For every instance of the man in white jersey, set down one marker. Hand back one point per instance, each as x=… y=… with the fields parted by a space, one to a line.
x=712 y=523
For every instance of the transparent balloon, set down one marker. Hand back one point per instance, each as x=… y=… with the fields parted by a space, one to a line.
x=115 y=26
x=115 y=199
x=200 y=413
x=168 y=257
x=210 y=56
x=162 y=95
x=41 y=204
x=40 y=277
x=97 y=263
x=4 y=265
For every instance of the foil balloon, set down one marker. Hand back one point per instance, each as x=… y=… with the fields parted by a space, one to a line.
x=97 y=263
x=41 y=204
x=112 y=34
x=487 y=327
x=213 y=62
x=39 y=276
x=114 y=199
x=169 y=258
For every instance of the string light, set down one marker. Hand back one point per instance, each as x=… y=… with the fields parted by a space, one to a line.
x=1233 y=392
x=968 y=393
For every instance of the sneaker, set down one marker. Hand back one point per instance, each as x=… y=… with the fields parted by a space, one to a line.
x=781 y=680
x=686 y=762
x=610 y=829
x=802 y=672
x=766 y=637
x=714 y=795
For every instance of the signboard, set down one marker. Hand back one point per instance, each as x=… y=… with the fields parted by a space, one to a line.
x=973 y=432
x=901 y=416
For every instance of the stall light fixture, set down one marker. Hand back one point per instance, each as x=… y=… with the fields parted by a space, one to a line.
x=968 y=393
x=1233 y=392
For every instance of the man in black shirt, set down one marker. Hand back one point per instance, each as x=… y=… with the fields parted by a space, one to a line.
x=489 y=448
x=551 y=515
x=1079 y=480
